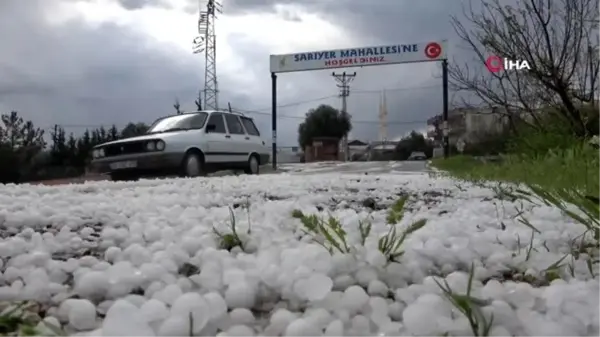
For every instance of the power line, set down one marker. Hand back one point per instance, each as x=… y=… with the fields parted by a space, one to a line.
x=337 y=95
x=291 y=104
x=303 y=117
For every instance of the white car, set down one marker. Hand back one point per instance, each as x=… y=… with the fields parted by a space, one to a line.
x=189 y=144
x=417 y=156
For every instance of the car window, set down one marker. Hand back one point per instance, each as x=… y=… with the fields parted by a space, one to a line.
x=216 y=119
x=249 y=126
x=234 y=125
x=175 y=122
x=197 y=122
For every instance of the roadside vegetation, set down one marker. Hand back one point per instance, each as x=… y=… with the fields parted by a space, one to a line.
x=572 y=165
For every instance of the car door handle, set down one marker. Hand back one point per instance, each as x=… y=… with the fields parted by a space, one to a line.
x=227 y=136
x=247 y=138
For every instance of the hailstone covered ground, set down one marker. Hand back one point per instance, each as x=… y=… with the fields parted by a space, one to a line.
x=143 y=258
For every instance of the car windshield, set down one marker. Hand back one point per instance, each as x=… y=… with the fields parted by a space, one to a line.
x=178 y=122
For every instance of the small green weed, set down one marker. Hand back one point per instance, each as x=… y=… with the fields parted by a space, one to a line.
x=330 y=234
x=391 y=244
x=20 y=321
x=396 y=212
x=469 y=306
x=330 y=230
x=229 y=240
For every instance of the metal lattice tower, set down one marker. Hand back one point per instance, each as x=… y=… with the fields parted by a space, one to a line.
x=207 y=43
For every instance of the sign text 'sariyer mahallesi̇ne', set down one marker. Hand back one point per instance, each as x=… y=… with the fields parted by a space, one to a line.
x=355 y=56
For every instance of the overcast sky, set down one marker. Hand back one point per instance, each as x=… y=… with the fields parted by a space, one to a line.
x=93 y=62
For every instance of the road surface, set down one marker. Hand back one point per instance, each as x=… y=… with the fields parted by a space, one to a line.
x=375 y=167
x=405 y=167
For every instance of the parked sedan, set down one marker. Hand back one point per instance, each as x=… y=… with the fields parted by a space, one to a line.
x=417 y=156
x=190 y=144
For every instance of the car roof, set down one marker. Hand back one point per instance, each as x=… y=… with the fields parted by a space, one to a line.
x=210 y=112
x=223 y=111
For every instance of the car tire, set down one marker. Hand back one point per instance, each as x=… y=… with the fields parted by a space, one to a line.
x=193 y=166
x=253 y=166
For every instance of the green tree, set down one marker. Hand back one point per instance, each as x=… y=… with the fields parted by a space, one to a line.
x=72 y=150
x=113 y=133
x=59 y=152
x=84 y=146
x=414 y=142
x=95 y=137
x=102 y=135
x=324 y=121
x=20 y=142
x=134 y=129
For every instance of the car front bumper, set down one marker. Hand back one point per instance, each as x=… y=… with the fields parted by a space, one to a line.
x=144 y=162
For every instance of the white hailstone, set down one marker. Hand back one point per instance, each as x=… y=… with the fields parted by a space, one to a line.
x=82 y=315
x=137 y=300
x=175 y=326
x=92 y=285
x=317 y=286
x=125 y=319
x=342 y=282
x=194 y=306
x=48 y=326
x=365 y=275
x=169 y=294
x=319 y=317
x=280 y=319
x=112 y=254
x=64 y=308
x=240 y=295
x=335 y=328
x=360 y=324
x=395 y=310
x=377 y=288
x=301 y=327
x=239 y=330
x=241 y=316
x=218 y=306
x=154 y=310
x=354 y=298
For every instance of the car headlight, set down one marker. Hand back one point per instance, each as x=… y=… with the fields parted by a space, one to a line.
x=101 y=153
x=95 y=154
x=151 y=146
x=160 y=145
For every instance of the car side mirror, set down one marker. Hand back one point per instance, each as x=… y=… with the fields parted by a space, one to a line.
x=210 y=128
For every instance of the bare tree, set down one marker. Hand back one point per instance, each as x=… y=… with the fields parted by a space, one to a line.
x=198 y=101
x=177 y=107
x=558 y=39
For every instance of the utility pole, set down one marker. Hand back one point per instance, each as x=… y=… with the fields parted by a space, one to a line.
x=207 y=43
x=343 y=81
x=383 y=118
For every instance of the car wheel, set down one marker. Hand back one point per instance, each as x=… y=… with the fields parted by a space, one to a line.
x=253 y=165
x=193 y=166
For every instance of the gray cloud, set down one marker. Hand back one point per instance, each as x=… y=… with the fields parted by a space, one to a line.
x=76 y=74
x=139 y=4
